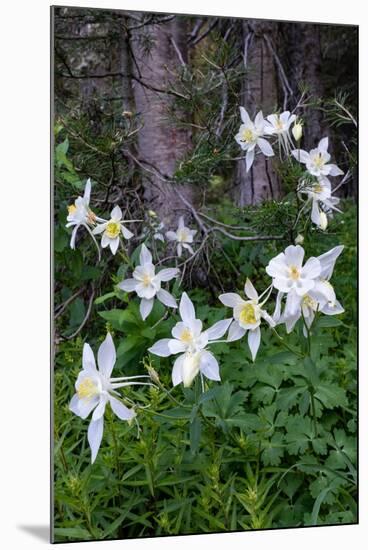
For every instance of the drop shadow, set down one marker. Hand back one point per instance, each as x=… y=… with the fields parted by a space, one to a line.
x=41 y=532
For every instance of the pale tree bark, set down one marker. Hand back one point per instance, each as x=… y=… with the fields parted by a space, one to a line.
x=126 y=65
x=158 y=52
x=259 y=92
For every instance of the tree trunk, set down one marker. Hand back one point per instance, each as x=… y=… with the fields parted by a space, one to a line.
x=126 y=68
x=259 y=92
x=158 y=52
x=306 y=69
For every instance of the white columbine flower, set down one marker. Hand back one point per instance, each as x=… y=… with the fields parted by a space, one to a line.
x=316 y=160
x=80 y=214
x=111 y=230
x=183 y=236
x=321 y=196
x=247 y=316
x=279 y=125
x=95 y=389
x=321 y=297
x=190 y=341
x=288 y=273
x=147 y=284
x=250 y=135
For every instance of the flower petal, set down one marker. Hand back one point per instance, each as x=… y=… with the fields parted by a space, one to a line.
x=128 y=285
x=161 y=348
x=334 y=170
x=277 y=313
x=106 y=356
x=126 y=233
x=231 y=299
x=73 y=237
x=145 y=256
x=81 y=407
x=250 y=291
x=99 y=228
x=171 y=235
x=176 y=374
x=323 y=145
x=332 y=308
x=176 y=346
x=265 y=147
x=120 y=409
x=95 y=433
x=88 y=359
x=254 y=339
x=209 y=366
x=114 y=244
x=116 y=213
x=145 y=307
x=87 y=191
x=244 y=116
x=166 y=298
x=167 y=274
x=100 y=409
x=327 y=261
x=186 y=308
x=292 y=306
x=249 y=159
x=294 y=255
x=311 y=269
x=300 y=155
x=218 y=329
x=235 y=332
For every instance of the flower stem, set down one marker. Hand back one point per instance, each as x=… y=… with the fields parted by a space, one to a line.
x=280 y=338
x=314 y=414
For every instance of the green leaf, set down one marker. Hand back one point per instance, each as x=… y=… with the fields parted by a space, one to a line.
x=104 y=298
x=195 y=432
x=331 y=395
x=120 y=319
x=328 y=322
x=76 y=533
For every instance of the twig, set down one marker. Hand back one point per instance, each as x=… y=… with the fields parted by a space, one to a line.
x=178 y=52
x=61 y=307
x=89 y=309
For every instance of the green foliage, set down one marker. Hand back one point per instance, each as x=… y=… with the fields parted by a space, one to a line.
x=273 y=445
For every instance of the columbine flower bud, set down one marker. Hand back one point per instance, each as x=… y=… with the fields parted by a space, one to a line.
x=299 y=239
x=153 y=375
x=127 y=114
x=152 y=213
x=297 y=131
x=323 y=221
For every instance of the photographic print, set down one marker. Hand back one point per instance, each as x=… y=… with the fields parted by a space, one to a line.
x=205 y=274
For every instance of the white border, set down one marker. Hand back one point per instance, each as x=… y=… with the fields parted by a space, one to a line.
x=24 y=201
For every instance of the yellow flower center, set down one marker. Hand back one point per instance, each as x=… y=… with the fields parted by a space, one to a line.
x=87 y=389
x=247 y=315
x=147 y=279
x=279 y=124
x=318 y=188
x=318 y=161
x=309 y=302
x=294 y=273
x=247 y=135
x=72 y=208
x=112 y=229
x=182 y=235
x=186 y=336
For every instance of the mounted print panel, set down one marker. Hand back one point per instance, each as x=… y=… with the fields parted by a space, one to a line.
x=205 y=274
